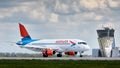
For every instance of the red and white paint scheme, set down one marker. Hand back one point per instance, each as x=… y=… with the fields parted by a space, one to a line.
x=50 y=47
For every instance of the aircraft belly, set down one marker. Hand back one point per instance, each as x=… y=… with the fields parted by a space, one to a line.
x=63 y=48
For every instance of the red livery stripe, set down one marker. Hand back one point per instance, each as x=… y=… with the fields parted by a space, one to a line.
x=23 y=31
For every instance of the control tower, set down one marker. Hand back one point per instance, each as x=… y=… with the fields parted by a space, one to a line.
x=106 y=41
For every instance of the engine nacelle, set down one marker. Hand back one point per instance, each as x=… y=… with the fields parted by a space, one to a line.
x=71 y=53
x=48 y=52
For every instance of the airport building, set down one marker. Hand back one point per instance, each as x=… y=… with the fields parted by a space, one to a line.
x=106 y=42
x=116 y=52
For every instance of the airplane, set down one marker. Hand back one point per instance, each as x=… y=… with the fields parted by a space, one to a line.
x=50 y=47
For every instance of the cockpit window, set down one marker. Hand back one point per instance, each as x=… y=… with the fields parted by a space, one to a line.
x=82 y=43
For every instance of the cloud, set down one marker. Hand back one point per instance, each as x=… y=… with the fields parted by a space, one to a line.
x=53 y=17
x=15 y=8
x=114 y=3
x=93 y=16
x=90 y=4
x=4 y=13
x=41 y=10
x=61 y=6
x=102 y=4
x=93 y=4
x=37 y=14
x=108 y=24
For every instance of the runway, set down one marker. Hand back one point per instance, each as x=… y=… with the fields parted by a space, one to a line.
x=58 y=58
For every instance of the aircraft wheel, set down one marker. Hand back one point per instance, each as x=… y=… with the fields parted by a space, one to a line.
x=59 y=55
x=45 y=55
x=81 y=55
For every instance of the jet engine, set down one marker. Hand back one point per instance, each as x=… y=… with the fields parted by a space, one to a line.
x=48 y=52
x=71 y=53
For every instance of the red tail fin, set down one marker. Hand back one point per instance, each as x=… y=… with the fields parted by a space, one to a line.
x=23 y=31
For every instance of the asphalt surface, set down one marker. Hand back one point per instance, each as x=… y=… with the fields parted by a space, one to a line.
x=59 y=58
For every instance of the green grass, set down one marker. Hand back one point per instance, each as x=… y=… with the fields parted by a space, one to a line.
x=58 y=64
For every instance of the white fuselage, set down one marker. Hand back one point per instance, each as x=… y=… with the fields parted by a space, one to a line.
x=59 y=45
x=49 y=47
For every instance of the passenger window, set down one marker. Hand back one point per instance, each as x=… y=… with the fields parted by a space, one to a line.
x=82 y=43
x=79 y=42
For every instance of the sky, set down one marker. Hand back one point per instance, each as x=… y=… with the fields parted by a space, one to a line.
x=53 y=19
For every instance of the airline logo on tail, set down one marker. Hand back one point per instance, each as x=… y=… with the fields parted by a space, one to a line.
x=24 y=33
x=25 y=36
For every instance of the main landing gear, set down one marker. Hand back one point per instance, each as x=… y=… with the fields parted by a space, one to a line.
x=59 y=55
x=45 y=55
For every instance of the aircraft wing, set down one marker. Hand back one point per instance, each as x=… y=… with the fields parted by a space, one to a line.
x=40 y=48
